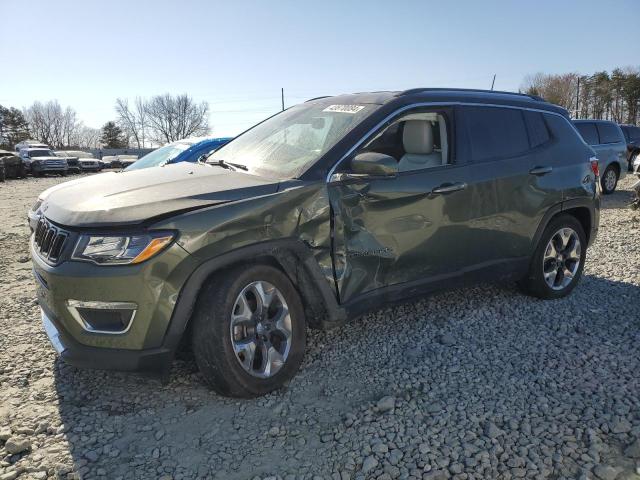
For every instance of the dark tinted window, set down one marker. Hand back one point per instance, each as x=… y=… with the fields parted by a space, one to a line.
x=609 y=133
x=495 y=132
x=538 y=132
x=626 y=132
x=635 y=134
x=588 y=132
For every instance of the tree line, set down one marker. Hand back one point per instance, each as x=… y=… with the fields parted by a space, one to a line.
x=606 y=96
x=146 y=122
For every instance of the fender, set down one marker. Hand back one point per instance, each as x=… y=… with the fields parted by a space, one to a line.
x=297 y=261
x=560 y=207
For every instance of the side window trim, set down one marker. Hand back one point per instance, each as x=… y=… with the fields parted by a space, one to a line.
x=453 y=105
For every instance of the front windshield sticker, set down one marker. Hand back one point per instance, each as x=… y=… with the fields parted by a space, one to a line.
x=344 y=108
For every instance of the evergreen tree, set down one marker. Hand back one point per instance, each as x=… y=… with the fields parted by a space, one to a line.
x=112 y=136
x=13 y=127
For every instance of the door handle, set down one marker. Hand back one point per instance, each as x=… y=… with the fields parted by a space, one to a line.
x=540 y=170
x=449 y=188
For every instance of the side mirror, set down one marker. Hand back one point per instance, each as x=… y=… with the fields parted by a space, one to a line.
x=374 y=164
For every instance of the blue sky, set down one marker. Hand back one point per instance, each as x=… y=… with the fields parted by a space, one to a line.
x=238 y=54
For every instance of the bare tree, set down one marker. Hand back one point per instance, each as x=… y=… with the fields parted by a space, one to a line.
x=88 y=137
x=70 y=126
x=558 y=89
x=49 y=124
x=174 y=118
x=133 y=120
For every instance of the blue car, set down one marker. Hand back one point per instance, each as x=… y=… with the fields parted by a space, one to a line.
x=187 y=150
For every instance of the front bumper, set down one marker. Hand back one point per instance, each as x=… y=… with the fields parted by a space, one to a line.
x=48 y=168
x=74 y=353
x=153 y=286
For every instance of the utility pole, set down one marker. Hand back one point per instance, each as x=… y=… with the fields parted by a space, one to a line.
x=493 y=81
x=282 y=94
x=578 y=99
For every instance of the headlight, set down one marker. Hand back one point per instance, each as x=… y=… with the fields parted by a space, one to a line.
x=121 y=249
x=37 y=205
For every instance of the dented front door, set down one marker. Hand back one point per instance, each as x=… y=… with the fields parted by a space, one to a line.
x=402 y=230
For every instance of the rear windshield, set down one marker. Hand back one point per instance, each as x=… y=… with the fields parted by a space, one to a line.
x=609 y=133
x=588 y=132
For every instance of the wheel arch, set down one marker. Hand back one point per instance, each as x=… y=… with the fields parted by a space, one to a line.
x=294 y=258
x=581 y=209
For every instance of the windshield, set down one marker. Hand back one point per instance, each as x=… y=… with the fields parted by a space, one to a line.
x=286 y=145
x=41 y=153
x=158 y=157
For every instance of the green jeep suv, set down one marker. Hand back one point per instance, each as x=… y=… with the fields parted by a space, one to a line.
x=312 y=217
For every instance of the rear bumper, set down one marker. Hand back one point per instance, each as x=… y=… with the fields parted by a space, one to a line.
x=157 y=360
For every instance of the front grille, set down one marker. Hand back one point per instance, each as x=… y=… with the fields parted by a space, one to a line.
x=49 y=240
x=54 y=163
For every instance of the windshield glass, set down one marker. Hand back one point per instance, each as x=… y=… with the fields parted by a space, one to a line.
x=160 y=156
x=41 y=153
x=286 y=145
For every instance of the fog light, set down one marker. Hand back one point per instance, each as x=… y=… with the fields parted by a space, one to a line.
x=103 y=317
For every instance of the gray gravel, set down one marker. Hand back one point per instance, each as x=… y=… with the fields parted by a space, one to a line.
x=476 y=383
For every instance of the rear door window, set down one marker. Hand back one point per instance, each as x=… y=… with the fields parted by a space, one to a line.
x=635 y=134
x=588 y=132
x=495 y=132
x=609 y=133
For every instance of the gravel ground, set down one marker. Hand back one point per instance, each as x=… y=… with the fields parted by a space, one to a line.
x=477 y=383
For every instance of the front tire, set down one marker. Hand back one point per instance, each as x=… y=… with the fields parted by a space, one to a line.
x=609 y=180
x=249 y=331
x=558 y=260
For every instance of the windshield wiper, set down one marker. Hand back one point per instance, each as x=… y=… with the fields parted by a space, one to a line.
x=228 y=165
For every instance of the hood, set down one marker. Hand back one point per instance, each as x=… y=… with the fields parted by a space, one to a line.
x=130 y=198
x=47 y=158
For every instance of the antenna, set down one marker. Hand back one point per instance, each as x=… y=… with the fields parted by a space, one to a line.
x=493 y=81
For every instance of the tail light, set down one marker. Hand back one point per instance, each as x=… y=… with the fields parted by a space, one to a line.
x=594 y=166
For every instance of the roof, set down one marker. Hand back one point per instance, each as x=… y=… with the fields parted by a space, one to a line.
x=448 y=95
x=592 y=120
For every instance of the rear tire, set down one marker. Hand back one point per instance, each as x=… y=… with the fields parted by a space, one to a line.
x=229 y=355
x=609 y=180
x=556 y=267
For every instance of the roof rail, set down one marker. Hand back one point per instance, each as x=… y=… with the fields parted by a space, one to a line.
x=317 y=98
x=470 y=90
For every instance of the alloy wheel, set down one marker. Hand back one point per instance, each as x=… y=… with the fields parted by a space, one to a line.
x=261 y=329
x=561 y=258
x=610 y=180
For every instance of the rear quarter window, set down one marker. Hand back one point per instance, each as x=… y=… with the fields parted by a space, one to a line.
x=609 y=133
x=537 y=128
x=495 y=132
x=588 y=132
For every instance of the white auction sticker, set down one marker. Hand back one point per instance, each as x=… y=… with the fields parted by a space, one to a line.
x=344 y=108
